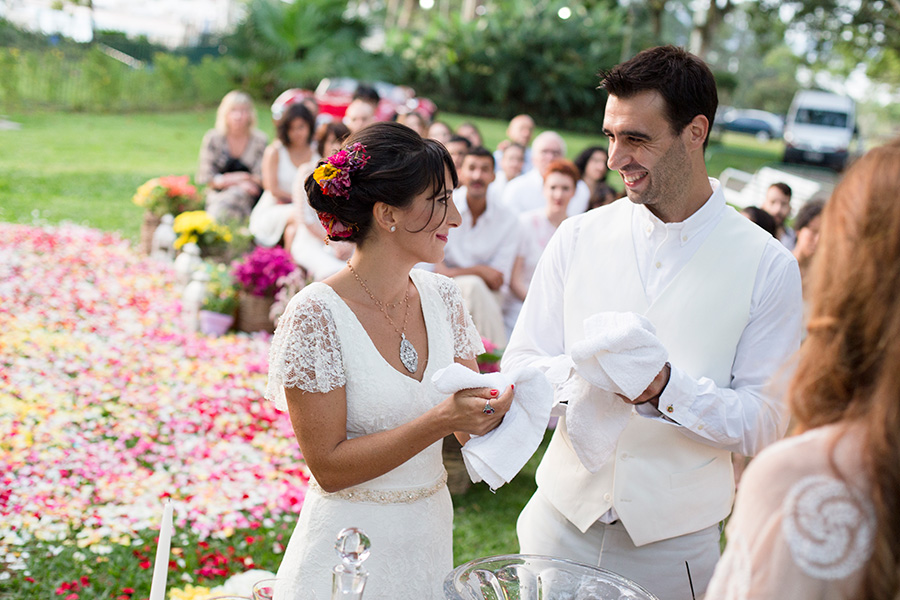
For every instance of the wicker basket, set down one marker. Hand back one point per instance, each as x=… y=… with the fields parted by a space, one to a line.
x=458 y=481
x=148 y=228
x=253 y=313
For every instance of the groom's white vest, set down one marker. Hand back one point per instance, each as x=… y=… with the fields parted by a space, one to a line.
x=661 y=483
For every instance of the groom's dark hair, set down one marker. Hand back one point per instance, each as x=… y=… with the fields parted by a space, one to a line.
x=683 y=80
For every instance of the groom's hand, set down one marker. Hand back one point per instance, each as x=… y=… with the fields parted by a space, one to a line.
x=654 y=390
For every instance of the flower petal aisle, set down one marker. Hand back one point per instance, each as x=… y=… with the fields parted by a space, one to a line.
x=108 y=405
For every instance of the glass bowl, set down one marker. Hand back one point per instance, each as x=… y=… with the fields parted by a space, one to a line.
x=533 y=577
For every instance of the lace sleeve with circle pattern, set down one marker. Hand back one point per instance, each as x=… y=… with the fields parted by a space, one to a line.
x=466 y=339
x=798 y=531
x=305 y=351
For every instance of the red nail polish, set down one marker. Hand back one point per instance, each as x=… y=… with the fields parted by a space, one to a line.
x=494 y=393
x=512 y=386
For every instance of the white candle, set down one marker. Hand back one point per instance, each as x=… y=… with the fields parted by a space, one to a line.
x=161 y=566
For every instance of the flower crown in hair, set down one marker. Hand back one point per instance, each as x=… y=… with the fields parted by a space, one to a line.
x=333 y=176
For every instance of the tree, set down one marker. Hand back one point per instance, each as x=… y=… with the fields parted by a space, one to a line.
x=846 y=33
x=519 y=57
x=281 y=45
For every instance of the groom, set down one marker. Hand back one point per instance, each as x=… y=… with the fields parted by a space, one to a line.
x=724 y=298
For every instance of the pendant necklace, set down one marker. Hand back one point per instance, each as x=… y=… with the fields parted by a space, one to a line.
x=408 y=355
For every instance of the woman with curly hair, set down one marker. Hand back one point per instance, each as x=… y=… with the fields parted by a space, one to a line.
x=818 y=514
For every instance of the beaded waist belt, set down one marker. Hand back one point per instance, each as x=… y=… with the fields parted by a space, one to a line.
x=406 y=496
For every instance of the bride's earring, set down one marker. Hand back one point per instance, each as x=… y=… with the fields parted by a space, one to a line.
x=393 y=228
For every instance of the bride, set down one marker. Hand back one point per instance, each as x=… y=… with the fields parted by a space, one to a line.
x=352 y=361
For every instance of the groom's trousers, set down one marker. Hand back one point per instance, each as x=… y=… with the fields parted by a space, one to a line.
x=659 y=566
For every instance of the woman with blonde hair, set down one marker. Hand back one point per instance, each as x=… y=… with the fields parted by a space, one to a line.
x=231 y=159
x=818 y=514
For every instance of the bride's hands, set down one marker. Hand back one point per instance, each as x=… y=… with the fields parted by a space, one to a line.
x=471 y=409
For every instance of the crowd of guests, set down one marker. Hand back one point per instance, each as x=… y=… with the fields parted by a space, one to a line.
x=511 y=198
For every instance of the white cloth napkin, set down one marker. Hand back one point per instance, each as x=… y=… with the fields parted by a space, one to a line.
x=620 y=354
x=499 y=455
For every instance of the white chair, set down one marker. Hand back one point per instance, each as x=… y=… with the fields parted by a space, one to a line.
x=744 y=189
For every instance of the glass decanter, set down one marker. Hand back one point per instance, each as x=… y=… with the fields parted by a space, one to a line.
x=349 y=577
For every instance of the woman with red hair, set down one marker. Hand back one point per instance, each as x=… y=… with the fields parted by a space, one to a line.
x=538 y=226
x=818 y=514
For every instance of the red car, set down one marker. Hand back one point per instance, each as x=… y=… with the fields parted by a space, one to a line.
x=333 y=95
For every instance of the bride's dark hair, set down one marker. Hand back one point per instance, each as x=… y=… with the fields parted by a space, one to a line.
x=849 y=368
x=401 y=165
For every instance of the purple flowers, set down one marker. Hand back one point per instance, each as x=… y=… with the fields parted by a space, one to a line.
x=259 y=271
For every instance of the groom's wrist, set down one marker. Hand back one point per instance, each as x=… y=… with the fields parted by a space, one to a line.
x=667 y=372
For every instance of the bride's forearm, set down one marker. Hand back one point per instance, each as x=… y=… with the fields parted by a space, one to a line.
x=320 y=421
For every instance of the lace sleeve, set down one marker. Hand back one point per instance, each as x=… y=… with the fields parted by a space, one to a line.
x=466 y=339
x=798 y=530
x=305 y=351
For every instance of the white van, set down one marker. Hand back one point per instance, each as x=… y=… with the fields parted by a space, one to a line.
x=819 y=129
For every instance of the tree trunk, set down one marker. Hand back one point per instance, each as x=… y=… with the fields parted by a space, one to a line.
x=406 y=13
x=657 y=9
x=706 y=24
x=628 y=35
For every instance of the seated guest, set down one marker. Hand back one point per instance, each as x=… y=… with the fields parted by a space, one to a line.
x=591 y=162
x=817 y=516
x=458 y=146
x=511 y=161
x=309 y=250
x=231 y=160
x=480 y=252
x=415 y=121
x=526 y=192
x=806 y=228
x=761 y=218
x=778 y=204
x=440 y=131
x=367 y=93
x=806 y=225
x=359 y=114
x=470 y=131
x=537 y=227
x=270 y=221
x=519 y=131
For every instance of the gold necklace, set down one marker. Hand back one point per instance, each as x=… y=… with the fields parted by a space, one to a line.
x=408 y=355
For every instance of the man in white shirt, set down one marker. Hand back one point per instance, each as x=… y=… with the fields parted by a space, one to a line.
x=526 y=192
x=480 y=253
x=777 y=203
x=724 y=299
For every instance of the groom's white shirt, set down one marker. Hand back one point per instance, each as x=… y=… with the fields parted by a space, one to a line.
x=722 y=360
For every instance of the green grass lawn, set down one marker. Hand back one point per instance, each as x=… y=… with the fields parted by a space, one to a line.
x=85 y=168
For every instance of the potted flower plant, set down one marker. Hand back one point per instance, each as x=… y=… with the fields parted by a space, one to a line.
x=160 y=196
x=257 y=275
x=220 y=303
x=288 y=286
x=489 y=361
x=198 y=227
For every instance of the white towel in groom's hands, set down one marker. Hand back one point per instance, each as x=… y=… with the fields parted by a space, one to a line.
x=628 y=354
x=620 y=354
x=499 y=455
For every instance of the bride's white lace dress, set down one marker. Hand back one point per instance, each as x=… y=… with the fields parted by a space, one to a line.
x=319 y=346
